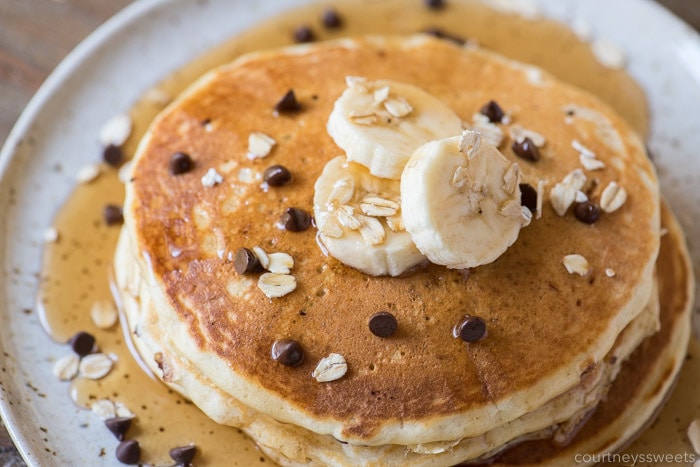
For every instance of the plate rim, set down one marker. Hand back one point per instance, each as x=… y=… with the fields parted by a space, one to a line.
x=88 y=48
x=85 y=49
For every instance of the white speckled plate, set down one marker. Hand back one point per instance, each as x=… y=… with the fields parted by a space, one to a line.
x=150 y=39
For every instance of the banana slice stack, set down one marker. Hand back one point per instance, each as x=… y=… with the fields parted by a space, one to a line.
x=412 y=186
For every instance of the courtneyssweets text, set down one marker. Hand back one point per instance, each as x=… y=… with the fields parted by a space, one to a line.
x=631 y=460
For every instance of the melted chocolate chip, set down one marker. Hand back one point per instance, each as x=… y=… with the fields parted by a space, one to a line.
x=288 y=103
x=526 y=149
x=435 y=4
x=82 y=343
x=471 y=329
x=118 y=426
x=113 y=155
x=112 y=214
x=129 y=452
x=383 y=324
x=587 y=212
x=288 y=352
x=246 y=261
x=442 y=34
x=303 y=34
x=180 y=163
x=331 y=19
x=528 y=196
x=493 y=111
x=296 y=220
x=183 y=455
x=277 y=175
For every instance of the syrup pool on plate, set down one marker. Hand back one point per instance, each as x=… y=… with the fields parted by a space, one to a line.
x=77 y=267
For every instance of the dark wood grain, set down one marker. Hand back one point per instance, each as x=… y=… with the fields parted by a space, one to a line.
x=36 y=34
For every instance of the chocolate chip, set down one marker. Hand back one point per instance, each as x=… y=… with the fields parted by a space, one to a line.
x=288 y=103
x=113 y=155
x=180 y=163
x=471 y=329
x=442 y=34
x=303 y=34
x=288 y=352
x=526 y=149
x=246 y=261
x=82 y=343
x=435 y=4
x=183 y=455
x=113 y=214
x=118 y=426
x=331 y=19
x=528 y=196
x=493 y=111
x=587 y=212
x=277 y=175
x=383 y=324
x=129 y=452
x=296 y=220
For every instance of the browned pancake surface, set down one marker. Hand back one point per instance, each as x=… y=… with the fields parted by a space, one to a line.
x=650 y=360
x=540 y=318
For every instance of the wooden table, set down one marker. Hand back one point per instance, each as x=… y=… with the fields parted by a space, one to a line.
x=36 y=34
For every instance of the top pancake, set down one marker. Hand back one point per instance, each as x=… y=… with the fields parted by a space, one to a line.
x=546 y=326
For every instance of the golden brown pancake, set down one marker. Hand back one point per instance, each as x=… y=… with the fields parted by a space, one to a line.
x=547 y=327
x=290 y=445
x=645 y=381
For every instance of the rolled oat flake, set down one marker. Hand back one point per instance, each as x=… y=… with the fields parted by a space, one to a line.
x=95 y=366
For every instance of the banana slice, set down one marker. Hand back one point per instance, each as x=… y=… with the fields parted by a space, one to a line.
x=461 y=200
x=360 y=222
x=380 y=123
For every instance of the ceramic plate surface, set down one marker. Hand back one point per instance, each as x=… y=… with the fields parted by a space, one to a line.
x=152 y=38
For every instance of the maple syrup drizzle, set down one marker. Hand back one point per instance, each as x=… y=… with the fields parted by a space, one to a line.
x=76 y=270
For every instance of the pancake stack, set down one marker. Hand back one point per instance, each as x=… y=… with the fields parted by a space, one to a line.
x=337 y=344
